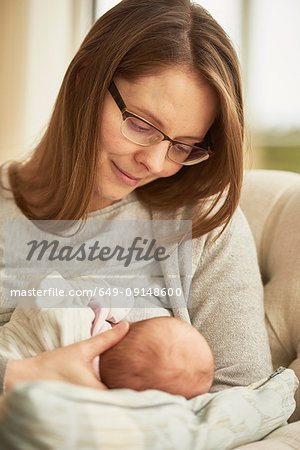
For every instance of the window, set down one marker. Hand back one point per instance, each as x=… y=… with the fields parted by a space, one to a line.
x=266 y=36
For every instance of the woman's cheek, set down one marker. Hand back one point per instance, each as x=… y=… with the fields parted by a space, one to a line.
x=169 y=171
x=111 y=142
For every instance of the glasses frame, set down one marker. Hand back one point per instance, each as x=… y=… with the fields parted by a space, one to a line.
x=126 y=113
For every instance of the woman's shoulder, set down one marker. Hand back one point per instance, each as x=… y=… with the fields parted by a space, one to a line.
x=4 y=181
x=237 y=223
x=8 y=207
x=235 y=240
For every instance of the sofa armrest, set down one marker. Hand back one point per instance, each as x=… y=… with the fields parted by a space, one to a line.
x=271 y=203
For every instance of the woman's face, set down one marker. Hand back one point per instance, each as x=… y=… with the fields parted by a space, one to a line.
x=178 y=102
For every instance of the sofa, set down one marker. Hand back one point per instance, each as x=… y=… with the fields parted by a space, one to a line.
x=271 y=202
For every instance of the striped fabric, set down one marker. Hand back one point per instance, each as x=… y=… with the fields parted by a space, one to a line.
x=52 y=415
x=33 y=330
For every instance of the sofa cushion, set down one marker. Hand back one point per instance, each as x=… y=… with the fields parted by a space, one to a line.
x=271 y=203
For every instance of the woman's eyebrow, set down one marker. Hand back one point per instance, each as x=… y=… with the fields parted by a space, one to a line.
x=150 y=117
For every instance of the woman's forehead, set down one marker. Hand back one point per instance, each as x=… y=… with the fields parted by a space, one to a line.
x=173 y=99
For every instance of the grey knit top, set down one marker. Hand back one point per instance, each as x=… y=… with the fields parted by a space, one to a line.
x=225 y=291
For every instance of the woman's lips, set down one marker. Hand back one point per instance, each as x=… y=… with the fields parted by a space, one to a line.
x=125 y=177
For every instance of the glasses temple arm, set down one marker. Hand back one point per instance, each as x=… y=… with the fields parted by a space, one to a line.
x=116 y=96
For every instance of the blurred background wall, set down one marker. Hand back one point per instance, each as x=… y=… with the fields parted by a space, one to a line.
x=38 y=39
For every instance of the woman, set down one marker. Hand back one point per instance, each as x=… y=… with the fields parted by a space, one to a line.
x=149 y=123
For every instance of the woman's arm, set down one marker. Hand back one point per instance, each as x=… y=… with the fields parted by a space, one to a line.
x=5 y=315
x=228 y=306
x=70 y=364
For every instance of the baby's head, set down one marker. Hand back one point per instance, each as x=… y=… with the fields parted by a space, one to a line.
x=162 y=353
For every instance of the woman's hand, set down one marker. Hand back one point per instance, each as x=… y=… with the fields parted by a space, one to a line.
x=70 y=364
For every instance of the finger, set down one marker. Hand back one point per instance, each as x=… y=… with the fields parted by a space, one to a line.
x=91 y=381
x=98 y=344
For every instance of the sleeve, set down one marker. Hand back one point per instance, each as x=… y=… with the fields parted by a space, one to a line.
x=3 y=365
x=34 y=330
x=227 y=306
x=57 y=327
x=5 y=314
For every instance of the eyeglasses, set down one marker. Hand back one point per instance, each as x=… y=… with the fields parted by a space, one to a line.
x=141 y=132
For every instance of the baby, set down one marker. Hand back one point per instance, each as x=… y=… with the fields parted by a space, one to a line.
x=161 y=353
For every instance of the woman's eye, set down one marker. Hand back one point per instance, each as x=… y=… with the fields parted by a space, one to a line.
x=183 y=148
x=137 y=125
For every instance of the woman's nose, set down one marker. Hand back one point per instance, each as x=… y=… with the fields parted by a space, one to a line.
x=153 y=157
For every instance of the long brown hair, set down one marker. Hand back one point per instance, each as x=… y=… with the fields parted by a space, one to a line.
x=134 y=38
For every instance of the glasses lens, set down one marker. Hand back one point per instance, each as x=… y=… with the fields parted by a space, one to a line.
x=140 y=132
x=192 y=154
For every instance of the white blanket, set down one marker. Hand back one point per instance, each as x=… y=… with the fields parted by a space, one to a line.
x=61 y=416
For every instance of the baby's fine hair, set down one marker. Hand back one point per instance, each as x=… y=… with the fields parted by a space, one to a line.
x=154 y=355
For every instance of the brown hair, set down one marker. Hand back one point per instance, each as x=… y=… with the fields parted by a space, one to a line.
x=134 y=38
